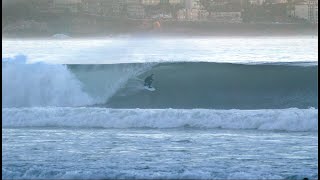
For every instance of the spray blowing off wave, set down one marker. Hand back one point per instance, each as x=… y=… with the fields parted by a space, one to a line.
x=39 y=84
x=281 y=119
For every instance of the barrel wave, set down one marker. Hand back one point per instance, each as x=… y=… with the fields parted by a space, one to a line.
x=209 y=85
x=182 y=85
x=189 y=94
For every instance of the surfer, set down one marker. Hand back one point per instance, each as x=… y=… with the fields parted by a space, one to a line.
x=148 y=81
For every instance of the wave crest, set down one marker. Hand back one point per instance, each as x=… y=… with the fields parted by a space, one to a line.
x=292 y=119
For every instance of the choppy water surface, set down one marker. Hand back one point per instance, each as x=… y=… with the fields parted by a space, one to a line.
x=155 y=153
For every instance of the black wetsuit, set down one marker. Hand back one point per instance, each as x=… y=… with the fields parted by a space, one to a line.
x=148 y=81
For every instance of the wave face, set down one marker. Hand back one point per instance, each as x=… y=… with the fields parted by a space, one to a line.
x=223 y=86
x=292 y=119
x=184 y=85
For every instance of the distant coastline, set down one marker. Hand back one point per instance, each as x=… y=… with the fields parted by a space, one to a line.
x=84 y=27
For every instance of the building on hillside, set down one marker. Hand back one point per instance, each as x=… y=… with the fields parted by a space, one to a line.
x=133 y=1
x=182 y=15
x=72 y=6
x=106 y=8
x=274 y=1
x=228 y=11
x=164 y=1
x=135 y=9
x=42 y=6
x=150 y=2
x=118 y=7
x=279 y=1
x=193 y=11
x=301 y=10
x=256 y=2
x=174 y=2
x=227 y=17
x=313 y=11
x=91 y=7
x=188 y=4
x=307 y=10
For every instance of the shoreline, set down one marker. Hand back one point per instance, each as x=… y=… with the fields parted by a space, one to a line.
x=155 y=36
x=168 y=29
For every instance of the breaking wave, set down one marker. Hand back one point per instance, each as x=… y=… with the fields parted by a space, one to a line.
x=27 y=85
x=41 y=84
x=223 y=86
x=292 y=119
x=182 y=85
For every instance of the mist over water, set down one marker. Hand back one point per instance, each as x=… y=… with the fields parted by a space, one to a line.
x=40 y=85
x=142 y=50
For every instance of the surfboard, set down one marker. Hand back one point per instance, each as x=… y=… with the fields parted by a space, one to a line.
x=149 y=89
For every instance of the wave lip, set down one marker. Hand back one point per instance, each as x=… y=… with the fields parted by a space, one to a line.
x=291 y=119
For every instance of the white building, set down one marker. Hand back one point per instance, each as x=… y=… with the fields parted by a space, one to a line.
x=97 y=7
x=229 y=17
x=150 y=2
x=66 y=5
x=308 y=11
x=192 y=4
x=175 y=1
x=133 y=1
x=181 y=14
x=301 y=10
x=193 y=10
x=313 y=11
x=155 y=2
x=256 y=2
x=118 y=7
x=274 y=1
x=135 y=9
x=278 y=1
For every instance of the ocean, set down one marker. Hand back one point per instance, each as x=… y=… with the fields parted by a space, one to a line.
x=224 y=108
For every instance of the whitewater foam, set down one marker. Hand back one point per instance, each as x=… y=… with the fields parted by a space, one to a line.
x=39 y=84
x=292 y=119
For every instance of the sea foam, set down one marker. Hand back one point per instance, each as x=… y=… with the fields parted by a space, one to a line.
x=292 y=119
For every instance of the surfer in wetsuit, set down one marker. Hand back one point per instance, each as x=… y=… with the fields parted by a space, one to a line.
x=148 y=81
